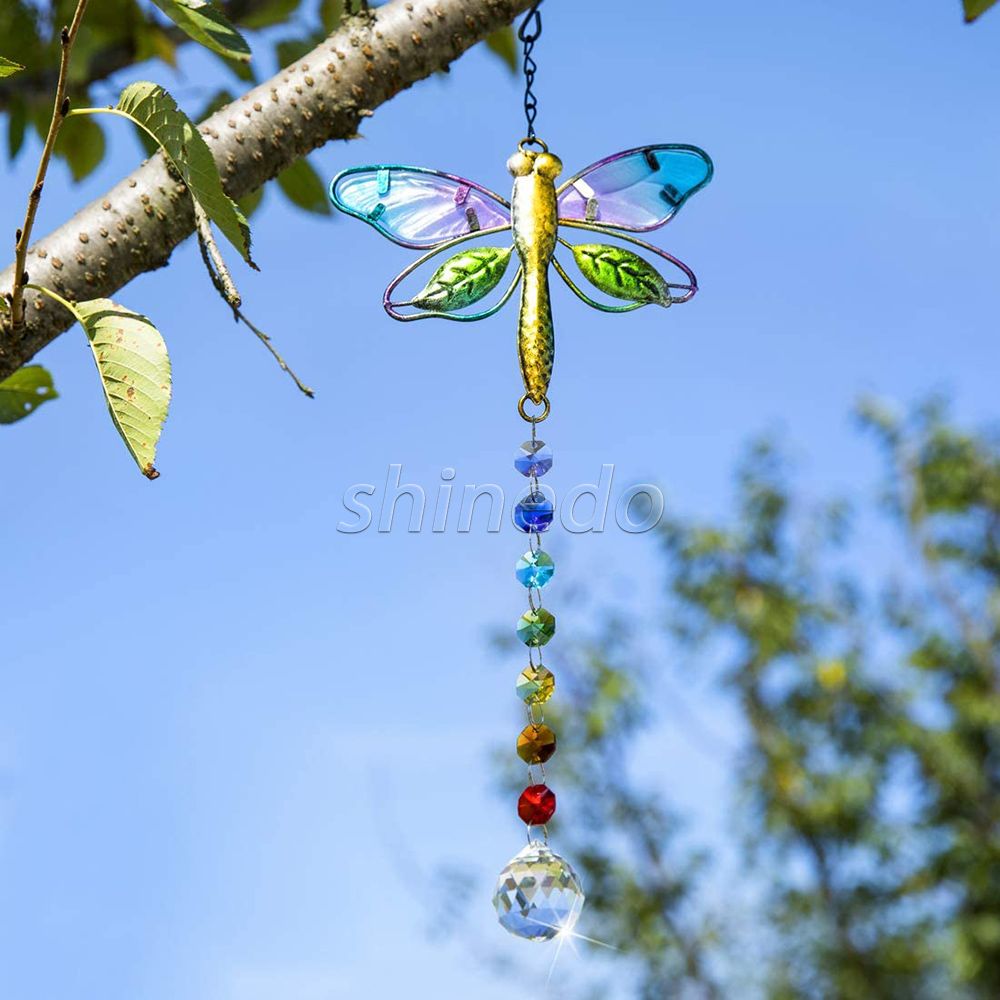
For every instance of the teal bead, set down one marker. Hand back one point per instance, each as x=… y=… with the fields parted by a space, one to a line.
x=534 y=569
x=535 y=628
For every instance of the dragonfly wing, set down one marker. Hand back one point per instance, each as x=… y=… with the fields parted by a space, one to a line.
x=637 y=190
x=417 y=207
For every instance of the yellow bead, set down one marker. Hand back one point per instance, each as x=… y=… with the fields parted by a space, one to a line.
x=535 y=684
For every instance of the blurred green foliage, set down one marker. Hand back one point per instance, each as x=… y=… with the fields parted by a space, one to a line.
x=867 y=827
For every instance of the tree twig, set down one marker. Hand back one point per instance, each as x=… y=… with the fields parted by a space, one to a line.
x=266 y=341
x=60 y=107
x=224 y=286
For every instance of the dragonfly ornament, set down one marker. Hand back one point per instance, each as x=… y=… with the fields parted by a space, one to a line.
x=635 y=191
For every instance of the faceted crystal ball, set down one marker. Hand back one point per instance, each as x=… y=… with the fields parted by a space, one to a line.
x=534 y=569
x=534 y=458
x=534 y=512
x=538 y=894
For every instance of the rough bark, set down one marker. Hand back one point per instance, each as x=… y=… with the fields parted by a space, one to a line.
x=136 y=225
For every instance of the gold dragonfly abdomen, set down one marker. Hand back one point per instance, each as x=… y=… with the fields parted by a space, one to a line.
x=535 y=221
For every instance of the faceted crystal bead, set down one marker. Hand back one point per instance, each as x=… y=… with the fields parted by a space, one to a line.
x=536 y=805
x=534 y=512
x=534 y=458
x=535 y=628
x=535 y=684
x=535 y=569
x=536 y=744
x=538 y=894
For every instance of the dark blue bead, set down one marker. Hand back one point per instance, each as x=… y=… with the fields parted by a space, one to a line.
x=534 y=513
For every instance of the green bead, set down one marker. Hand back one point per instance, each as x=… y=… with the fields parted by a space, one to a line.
x=535 y=684
x=535 y=628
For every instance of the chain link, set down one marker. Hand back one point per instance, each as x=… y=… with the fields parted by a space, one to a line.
x=529 y=32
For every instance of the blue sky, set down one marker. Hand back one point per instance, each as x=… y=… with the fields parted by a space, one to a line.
x=235 y=743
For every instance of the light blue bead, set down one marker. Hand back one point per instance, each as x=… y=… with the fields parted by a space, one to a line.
x=534 y=513
x=534 y=569
x=533 y=459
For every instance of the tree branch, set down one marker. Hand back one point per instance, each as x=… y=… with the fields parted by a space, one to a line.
x=136 y=225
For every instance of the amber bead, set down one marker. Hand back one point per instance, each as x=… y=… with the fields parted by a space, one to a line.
x=536 y=744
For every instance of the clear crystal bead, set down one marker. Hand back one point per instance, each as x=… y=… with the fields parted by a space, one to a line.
x=538 y=894
x=534 y=458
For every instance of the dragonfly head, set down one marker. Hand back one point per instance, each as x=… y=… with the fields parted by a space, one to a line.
x=527 y=161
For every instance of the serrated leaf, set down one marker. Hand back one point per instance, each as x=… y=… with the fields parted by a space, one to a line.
x=503 y=44
x=304 y=188
x=134 y=367
x=464 y=279
x=24 y=391
x=973 y=8
x=155 y=111
x=9 y=68
x=81 y=144
x=621 y=273
x=207 y=25
x=135 y=373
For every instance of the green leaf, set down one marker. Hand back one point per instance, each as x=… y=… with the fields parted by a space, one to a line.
x=269 y=13
x=973 y=8
x=464 y=279
x=206 y=24
x=249 y=203
x=81 y=144
x=304 y=188
x=330 y=14
x=218 y=100
x=135 y=372
x=8 y=68
x=24 y=391
x=621 y=273
x=155 y=111
x=503 y=44
x=243 y=71
x=290 y=50
x=17 y=120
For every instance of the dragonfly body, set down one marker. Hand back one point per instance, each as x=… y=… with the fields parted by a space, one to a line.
x=635 y=191
x=534 y=219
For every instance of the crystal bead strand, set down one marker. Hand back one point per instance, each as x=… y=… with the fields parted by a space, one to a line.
x=536 y=743
x=538 y=894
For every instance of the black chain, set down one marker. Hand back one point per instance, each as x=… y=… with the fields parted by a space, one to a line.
x=529 y=33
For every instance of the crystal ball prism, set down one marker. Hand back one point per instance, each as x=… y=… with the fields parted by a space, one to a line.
x=538 y=895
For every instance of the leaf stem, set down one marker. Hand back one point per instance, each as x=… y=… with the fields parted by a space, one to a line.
x=60 y=108
x=217 y=269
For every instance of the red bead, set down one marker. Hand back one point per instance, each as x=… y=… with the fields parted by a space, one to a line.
x=536 y=805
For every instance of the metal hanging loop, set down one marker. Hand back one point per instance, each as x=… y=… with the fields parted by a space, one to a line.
x=529 y=32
